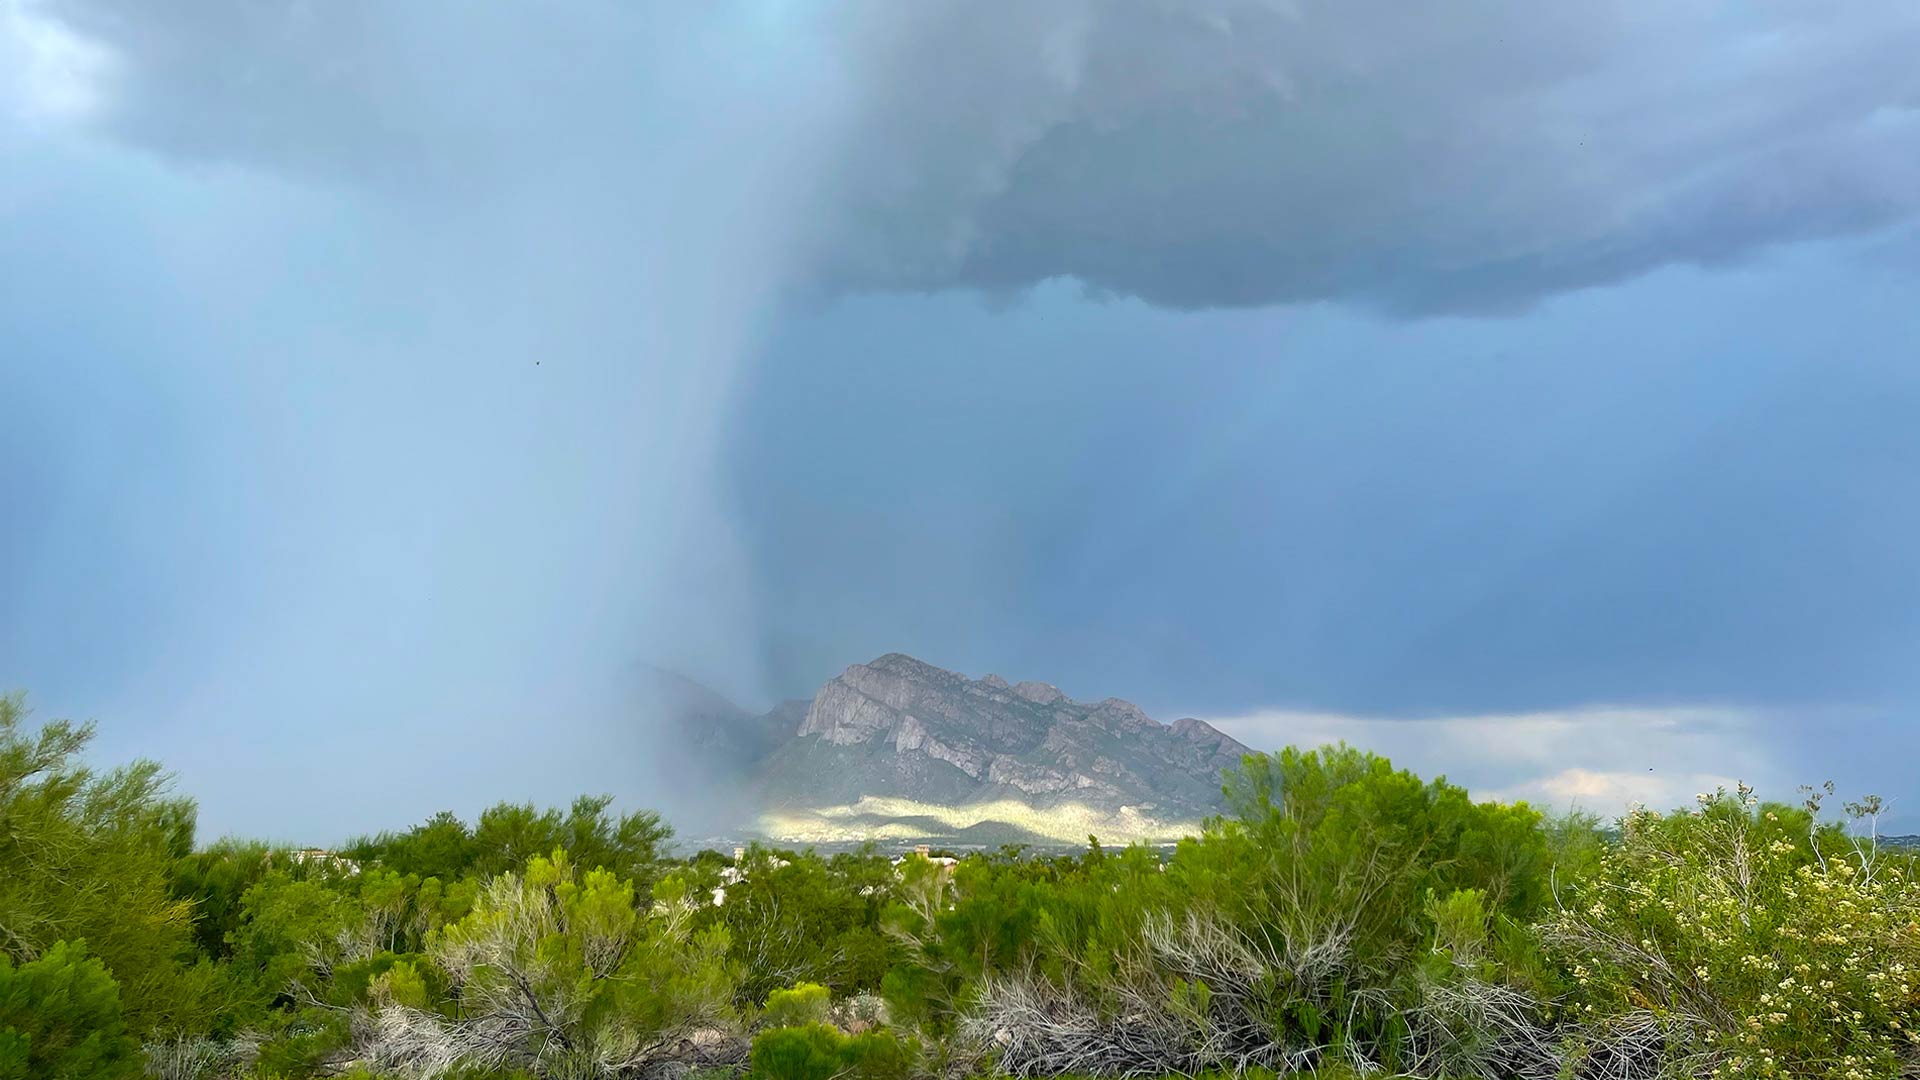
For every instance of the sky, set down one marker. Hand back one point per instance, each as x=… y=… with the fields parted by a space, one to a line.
x=1528 y=392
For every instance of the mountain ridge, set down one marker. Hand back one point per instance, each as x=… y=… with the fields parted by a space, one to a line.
x=899 y=747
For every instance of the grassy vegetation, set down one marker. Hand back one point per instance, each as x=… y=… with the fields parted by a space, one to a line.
x=1343 y=919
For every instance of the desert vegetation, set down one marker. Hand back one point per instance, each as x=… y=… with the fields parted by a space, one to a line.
x=1343 y=918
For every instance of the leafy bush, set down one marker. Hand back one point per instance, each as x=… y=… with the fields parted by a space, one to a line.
x=1299 y=930
x=509 y=834
x=803 y=1005
x=290 y=931
x=60 y=1020
x=797 y=917
x=820 y=1052
x=554 y=969
x=86 y=856
x=1736 y=940
x=306 y=1042
x=213 y=881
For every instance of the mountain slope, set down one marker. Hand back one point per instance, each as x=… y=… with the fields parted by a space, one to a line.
x=899 y=747
x=705 y=731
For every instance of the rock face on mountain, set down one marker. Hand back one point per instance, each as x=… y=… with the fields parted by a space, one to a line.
x=903 y=730
x=899 y=748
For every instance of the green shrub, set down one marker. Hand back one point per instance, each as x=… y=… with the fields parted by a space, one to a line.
x=610 y=985
x=1303 y=928
x=85 y=856
x=802 y=1005
x=389 y=978
x=60 y=1020
x=796 y=916
x=305 y=1043
x=820 y=1052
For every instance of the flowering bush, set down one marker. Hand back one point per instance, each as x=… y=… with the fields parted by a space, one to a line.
x=1737 y=940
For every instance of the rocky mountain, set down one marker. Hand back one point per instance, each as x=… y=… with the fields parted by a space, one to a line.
x=898 y=747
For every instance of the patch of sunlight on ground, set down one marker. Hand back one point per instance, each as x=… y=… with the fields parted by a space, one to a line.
x=884 y=818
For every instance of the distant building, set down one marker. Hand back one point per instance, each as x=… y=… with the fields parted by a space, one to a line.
x=735 y=874
x=925 y=851
x=323 y=858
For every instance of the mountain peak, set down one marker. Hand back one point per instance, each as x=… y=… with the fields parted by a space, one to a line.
x=899 y=727
x=1038 y=692
x=899 y=663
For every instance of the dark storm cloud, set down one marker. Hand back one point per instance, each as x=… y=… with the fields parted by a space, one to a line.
x=1410 y=158
x=1413 y=157
x=433 y=99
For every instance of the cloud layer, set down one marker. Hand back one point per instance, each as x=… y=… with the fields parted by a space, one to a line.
x=1601 y=759
x=1413 y=158
x=1416 y=160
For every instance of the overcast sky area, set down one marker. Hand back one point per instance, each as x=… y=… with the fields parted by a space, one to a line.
x=1528 y=391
